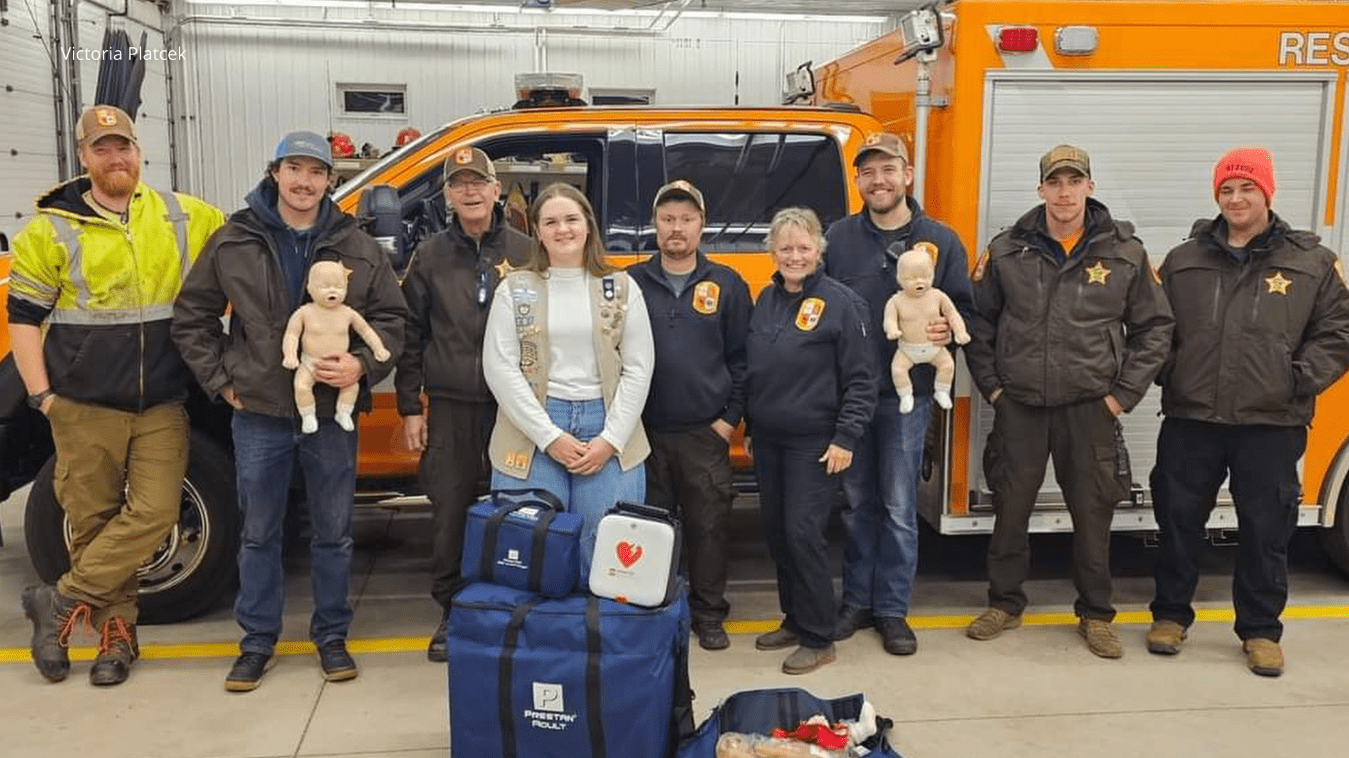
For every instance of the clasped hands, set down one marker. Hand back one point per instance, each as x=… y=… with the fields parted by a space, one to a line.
x=584 y=458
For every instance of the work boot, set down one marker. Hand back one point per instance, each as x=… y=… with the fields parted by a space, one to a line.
x=1101 y=638
x=1165 y=637
x=117 y=648
x=992 y=623
x=850 y=620
x=712 y=635
x=54 y=618
x=1263 y=657
x=896 y=635
x=436 y=652
x=804 y=660
x=246 y=673
x=776 y=640
x=336 y=662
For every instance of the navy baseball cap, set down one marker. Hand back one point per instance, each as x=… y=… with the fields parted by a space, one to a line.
x=306 y=145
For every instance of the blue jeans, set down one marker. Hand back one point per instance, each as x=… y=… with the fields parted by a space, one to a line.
x=591 y=495
x=880 y=516
x=265 y=452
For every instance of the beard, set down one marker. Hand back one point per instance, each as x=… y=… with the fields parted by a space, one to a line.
x=880 y=209
x=118 y=182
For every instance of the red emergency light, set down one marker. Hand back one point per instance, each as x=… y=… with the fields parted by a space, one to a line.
x=1018 y=39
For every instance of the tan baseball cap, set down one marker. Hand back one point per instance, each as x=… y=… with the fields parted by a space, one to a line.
x=882 y=142
x=680 y=189
x=102 y=121
x=470 y=159
x=1065 y=156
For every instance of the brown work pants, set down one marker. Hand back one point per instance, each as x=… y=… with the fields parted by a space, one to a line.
x=119 y=477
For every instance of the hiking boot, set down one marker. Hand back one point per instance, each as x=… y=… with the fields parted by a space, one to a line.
x=712 y=636
x=804 y=660
x=991 y=623
x=436 y=651
x=1165 y=637
x=1263 y=656
x=852 y=619
x=896 y=635
x=246 y=673
x=117 y=648
x=776 y=640
x=336 y=662
x=54 y=618
x=1101 y=638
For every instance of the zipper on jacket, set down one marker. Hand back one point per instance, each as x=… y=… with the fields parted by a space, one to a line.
x=140 y=323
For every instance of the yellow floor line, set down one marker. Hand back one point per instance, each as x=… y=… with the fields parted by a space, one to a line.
x=174 y=651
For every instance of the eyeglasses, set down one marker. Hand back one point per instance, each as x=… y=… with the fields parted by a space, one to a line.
x=460 y=185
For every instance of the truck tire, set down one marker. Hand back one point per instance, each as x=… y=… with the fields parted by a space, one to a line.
x=192 y=568
x=1335 y=540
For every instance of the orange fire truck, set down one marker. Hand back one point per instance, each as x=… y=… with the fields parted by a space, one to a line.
x=1155 y=91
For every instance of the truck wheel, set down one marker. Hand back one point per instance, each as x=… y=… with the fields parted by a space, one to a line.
x=1335 y=540
x=192 y=568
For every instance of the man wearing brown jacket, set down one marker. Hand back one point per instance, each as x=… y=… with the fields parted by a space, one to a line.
x=1070 y=328
x=1262 y=327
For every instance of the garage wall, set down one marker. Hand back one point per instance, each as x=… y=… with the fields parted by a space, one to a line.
x=247 y=84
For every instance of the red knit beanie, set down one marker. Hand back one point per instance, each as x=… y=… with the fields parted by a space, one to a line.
x=1252 y=163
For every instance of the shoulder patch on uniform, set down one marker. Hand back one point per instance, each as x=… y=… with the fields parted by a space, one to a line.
x=706 y=297
x=808 y=315
x=1339 y=269
x=980 y=266
x=1156 y=275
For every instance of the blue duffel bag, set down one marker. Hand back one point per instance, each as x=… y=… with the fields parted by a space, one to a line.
x=523 y=539
x=762 y=711
x=573 y=677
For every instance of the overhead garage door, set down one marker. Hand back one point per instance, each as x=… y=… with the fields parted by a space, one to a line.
x=28 y=162
x=1153 y=140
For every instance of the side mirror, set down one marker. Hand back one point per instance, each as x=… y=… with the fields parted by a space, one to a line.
x=380 y=213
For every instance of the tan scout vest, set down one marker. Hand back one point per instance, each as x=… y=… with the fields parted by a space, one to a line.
x=510 y=450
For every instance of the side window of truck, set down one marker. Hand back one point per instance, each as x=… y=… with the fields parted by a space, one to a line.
x=747 y=177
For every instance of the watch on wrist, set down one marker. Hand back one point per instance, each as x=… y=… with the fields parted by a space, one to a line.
x=35 y=401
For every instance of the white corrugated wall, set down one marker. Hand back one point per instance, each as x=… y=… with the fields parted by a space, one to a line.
x=247 y=84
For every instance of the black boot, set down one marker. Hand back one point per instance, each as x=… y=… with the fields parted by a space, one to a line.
x=117 y=648
x=54 y=617
x=436 y=652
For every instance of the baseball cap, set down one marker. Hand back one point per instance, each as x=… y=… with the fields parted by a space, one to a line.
x=680 y=189
x=102 y=121
x=470 y=159
x=1065 y=156
x=1252 y=163
x=305 y=145
x=882 y=142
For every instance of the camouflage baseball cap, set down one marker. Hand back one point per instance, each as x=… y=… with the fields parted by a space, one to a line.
x=1065 y=156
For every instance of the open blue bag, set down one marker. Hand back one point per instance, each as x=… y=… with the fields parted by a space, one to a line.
x=762 y=711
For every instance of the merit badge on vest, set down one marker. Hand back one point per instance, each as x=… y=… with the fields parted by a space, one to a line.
x=706 y=295
x=808 y=317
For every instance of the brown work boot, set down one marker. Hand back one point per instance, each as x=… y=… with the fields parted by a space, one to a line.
x=54 y=618
x=804 y=660
x=1165 y=637
x=1263 y=656
x=776 y=640
x=991 y=623
x=117 y=648
x=1101 y=638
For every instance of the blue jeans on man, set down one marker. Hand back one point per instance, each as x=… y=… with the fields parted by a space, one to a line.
x=266 y=451
x=880 y=516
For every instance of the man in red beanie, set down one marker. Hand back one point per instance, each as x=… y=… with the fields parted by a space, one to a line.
x=1262 y=327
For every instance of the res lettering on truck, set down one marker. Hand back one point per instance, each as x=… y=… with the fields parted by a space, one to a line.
x=1314 y=48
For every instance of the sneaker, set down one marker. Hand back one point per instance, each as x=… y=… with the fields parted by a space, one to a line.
x=117 y=648
x=804 y=660
x=1101 y=638
x=712 y=636
x=852 y=619
x=1165 y=637
x=54 y=618
x=1264 y=657
x=336 y=662
x=246 y=673
x=436 y=652
x=776 y=640
x=992 y=623
x=896 y=635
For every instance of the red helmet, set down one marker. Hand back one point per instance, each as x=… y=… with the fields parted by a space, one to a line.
x=406 y=135
x=342 y=145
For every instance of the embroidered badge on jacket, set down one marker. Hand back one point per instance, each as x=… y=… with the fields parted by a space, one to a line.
x=1278 y=284
x=1097 y=274
x=808 y=316
x=980 y=267
x=706 y=296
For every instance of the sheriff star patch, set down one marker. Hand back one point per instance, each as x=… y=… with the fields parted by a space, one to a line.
x=808 y=316
x=1097 y=274
x=1278 y=284
x=706 y=297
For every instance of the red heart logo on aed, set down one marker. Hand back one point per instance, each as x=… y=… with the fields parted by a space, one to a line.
x=629 y=553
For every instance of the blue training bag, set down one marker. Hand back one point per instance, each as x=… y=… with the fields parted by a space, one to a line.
x=573 y=677
x=523 y=539
x=762 y=711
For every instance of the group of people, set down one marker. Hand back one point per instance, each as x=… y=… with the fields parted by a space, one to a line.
x=533 y=362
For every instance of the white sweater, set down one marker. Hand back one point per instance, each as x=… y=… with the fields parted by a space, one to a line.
x=573 y=369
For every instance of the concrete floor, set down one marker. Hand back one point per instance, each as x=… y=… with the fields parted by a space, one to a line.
x=1034 y=693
